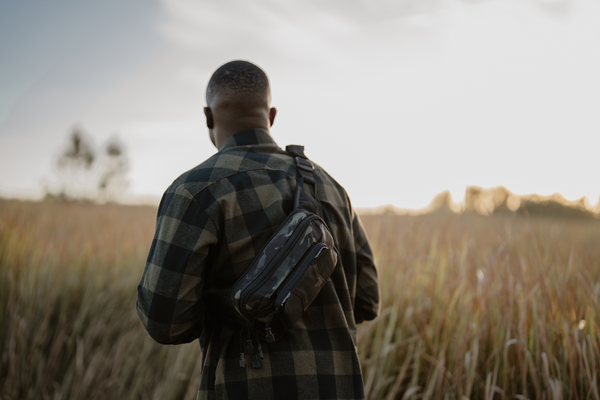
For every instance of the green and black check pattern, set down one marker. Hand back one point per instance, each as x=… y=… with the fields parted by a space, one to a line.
x=211 y=222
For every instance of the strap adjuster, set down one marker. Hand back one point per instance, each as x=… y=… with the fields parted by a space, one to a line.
x=304 y=164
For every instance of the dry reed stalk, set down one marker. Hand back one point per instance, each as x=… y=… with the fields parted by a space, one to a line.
x=472 y=307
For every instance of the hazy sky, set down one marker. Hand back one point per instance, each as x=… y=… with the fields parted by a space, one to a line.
x=397 y=99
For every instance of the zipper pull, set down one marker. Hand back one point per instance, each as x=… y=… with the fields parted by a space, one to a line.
x=249 y=345
x=242 y=355
x=255 y=361
x=325 y=247
x=270 y=337
x=278 y=309
x=260 y=353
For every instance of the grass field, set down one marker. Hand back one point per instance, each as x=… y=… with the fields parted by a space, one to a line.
x=473 y=307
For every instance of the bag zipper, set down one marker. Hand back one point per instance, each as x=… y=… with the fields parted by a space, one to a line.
x=266 y=272
x=289 y=282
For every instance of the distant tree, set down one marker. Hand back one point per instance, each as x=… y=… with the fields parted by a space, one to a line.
x=479 y=200
x=441 y=203
x=555 y=206
x=499 y=200
x=486 y=201
x=112 y=179
x=76 y=161
x=90 y=173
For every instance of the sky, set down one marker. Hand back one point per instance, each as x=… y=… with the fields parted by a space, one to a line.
x=397 y=99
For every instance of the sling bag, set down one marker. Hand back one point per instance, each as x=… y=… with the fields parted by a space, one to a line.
x=288 y=272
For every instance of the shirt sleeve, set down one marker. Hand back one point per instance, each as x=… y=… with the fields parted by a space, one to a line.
x=169 y=295
x=366 y=304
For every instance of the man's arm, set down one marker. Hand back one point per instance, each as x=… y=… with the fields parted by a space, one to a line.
x=366 y=304
x=169 y=295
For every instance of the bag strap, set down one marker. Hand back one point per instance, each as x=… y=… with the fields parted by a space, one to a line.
x=304 y=169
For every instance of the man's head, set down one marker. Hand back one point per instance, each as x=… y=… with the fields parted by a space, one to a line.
x=238 y=97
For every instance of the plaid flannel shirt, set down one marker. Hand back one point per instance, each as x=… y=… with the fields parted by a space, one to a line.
x=211 y=222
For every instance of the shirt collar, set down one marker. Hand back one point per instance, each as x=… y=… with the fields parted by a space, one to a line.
x=249 y=137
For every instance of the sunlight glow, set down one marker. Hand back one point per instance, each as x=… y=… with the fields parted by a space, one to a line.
x=398 y=100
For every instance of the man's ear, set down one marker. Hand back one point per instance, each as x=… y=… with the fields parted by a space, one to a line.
x=272 y=114
x=210 y=123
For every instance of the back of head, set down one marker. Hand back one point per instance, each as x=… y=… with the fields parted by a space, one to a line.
x=238 y=84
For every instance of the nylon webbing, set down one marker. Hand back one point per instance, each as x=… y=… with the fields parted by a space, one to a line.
x=304 y=168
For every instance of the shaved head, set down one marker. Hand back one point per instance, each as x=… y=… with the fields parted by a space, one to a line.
x=239 y=83
x=238 y=97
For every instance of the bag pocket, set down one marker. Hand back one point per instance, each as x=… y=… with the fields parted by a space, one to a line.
x=254 y=290
x=305 y=284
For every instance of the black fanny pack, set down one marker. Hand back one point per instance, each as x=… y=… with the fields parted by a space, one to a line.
x=288 y=272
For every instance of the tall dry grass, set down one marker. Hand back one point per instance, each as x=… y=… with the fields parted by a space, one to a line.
x=484 y=307
x=68 y=276
x=473 y=307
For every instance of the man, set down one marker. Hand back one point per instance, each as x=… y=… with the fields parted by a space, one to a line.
x=211 y=223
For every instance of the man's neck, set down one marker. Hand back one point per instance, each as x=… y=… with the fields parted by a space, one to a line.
x=222 y=135
x=225 y=130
